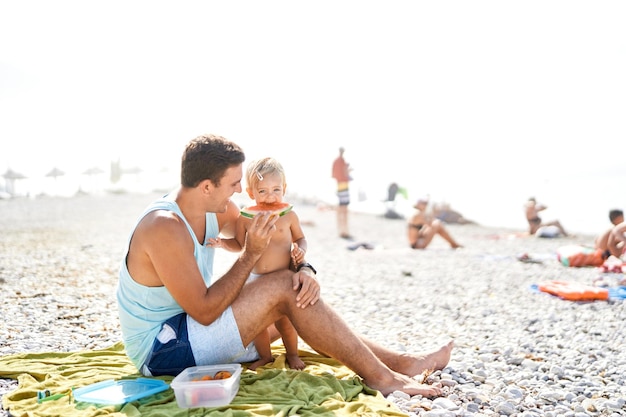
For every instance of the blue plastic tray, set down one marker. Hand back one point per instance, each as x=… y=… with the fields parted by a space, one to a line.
x=119 y=392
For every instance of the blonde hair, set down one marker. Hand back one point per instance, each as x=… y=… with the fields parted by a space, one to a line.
x=262 y=167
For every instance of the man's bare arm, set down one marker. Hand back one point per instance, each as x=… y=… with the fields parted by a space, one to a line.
x=176 y=266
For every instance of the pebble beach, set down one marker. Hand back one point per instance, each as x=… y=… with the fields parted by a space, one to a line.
x=518 y=352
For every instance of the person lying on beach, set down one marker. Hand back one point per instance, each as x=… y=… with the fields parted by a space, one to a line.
x=549 y=229
x=447 y=215
x=606 y=240
x=266 y=184
x=173 y=315
x=422 y=228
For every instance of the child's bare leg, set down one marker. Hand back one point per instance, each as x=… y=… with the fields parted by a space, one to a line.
x=262 y=344
x=290 y=340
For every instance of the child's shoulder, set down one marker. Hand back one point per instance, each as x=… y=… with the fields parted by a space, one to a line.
x=289 y=216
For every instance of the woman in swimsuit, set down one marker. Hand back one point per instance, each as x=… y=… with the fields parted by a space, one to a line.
x=422 y=229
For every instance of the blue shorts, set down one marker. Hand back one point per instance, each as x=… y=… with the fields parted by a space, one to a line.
x=183 y=342
x=171 y=352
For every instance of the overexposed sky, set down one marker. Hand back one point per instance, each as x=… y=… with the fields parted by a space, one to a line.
x=430 y=94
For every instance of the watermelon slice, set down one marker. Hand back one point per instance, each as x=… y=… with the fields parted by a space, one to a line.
x=278 y=209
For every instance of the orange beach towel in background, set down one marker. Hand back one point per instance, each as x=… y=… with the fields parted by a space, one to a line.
x=574 y=291
x=581 y=256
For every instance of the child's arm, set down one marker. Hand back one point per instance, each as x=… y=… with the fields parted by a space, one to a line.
x=227 y=222
x=300 y=245
x=297 y=253
x=230 y=244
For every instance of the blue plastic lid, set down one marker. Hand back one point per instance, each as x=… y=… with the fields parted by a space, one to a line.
x=119 y=392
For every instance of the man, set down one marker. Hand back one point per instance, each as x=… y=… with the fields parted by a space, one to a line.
x=341 y=174
x=173 y=317
x=609 y=241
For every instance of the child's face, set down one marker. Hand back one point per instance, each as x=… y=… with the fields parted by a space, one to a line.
x=269 y=189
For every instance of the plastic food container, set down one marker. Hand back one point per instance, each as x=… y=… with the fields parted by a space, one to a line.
x=193 y=388
x=119 y=392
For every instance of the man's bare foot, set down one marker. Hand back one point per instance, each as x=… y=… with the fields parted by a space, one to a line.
x=260 y=362
x=415 y=364
x=295 y=362
x=407 y=385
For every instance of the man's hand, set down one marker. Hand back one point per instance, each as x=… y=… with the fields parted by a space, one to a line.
x=307 y=286
x=260 y=232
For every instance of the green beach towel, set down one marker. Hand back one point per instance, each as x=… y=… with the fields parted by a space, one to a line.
x=324 y=388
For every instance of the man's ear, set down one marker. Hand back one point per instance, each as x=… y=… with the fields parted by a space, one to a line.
x=206 y=186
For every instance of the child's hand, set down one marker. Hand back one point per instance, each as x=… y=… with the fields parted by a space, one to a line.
x=214 y=242
x=297 y=254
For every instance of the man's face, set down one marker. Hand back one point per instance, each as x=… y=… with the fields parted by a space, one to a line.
x=229 y=185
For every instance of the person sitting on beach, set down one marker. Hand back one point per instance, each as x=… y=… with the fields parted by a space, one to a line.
x=173 y=315
x=266 y=184
x=422 y=228
x=618 y=235
x=607 y=241
x=536 y=226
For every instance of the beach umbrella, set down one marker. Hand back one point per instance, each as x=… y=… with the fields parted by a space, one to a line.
x=10 y=177
x=55 y=186
x=95 y=175
x=55 y=172
x=93 y=171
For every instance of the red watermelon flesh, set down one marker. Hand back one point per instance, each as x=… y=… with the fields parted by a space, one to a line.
x=279 y=209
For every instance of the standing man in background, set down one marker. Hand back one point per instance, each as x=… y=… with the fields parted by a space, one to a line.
x=341 y=174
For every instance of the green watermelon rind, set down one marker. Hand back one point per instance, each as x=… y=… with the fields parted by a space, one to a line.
x=250 y=214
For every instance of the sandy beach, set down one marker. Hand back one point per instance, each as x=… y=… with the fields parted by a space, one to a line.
x=518 y=352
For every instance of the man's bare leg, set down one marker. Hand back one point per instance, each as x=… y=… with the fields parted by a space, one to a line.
x=322 y=329
x=412 y=364
x=342 y=220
